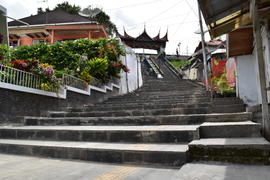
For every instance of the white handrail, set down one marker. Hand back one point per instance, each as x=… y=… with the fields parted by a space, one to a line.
x=22 y=78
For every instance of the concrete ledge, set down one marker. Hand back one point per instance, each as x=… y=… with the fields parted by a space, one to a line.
x=17 y=101
x=61 y=94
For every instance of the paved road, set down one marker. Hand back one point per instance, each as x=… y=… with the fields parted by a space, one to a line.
x=14 y=167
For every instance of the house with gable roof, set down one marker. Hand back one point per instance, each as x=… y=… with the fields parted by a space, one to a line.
x=53 y=26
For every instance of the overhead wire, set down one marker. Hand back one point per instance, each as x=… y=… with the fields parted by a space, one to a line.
x=157 y=15
x=177 y=29
x=158 y=20
x=134 y=5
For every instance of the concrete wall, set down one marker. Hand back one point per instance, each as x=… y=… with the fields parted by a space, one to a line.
x=14 y=104
x=133 y=79
x=3 y=24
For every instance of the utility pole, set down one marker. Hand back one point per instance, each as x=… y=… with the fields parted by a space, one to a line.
x=203 y=49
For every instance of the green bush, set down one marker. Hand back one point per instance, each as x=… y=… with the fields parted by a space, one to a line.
x=179 y=64
x=96 y=67
x=95 y=57
x=4 y=52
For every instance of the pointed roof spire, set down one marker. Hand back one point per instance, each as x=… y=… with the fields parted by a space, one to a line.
x=157 y=37
x=165 y=38
x=144 y=28
x=126 y=34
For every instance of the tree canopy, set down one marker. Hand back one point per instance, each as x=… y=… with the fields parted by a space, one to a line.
x=97 y=14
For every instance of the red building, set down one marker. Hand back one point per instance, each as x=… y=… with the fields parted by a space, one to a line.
x=53 y=26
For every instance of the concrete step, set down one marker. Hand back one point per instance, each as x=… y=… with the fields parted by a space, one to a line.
x=161 y=101
x=142 y=134
x=230 y=129
x=190 y=100
x=155 y=105
x=158 y=100
x=118 y=113
x=134 y=106
x=174 y=92
x=236 y=150
x=146 y=97
x=141 y=120
x=173 y=155
x=148 y=112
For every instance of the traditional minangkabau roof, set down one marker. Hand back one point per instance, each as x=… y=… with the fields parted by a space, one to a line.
x=51 y=17
x=144 y=40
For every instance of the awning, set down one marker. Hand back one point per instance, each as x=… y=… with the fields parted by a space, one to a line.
x=224 y=16
x=13 y=36
x=37 y=35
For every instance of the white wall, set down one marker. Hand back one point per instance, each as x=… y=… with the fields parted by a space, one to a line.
x=246 y=79
x=133 y=79
x=248 y=75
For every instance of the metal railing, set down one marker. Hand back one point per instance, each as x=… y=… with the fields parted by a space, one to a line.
x=96 y=82
x=154 y=67
x=26 y=79
x=115 y=81
x=22 y=78
x=74 y=82
x=175 y=71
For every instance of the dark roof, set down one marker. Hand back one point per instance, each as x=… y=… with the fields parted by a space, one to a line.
x=213 y=43
x=53 y=17
x=144 y=40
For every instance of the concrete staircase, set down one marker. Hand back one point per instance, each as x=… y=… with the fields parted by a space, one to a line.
x=167 y=123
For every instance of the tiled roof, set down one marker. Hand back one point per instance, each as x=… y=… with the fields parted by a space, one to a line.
x=53 y=17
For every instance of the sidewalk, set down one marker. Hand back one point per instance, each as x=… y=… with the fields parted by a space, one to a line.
x=218 y=171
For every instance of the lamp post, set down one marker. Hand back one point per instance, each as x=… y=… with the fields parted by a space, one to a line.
x=179 y=44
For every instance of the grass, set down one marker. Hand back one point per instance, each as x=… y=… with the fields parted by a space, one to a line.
x=179 y=64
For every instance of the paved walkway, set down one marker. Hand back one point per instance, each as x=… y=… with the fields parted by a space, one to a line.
x=217 y=171
x=13 y=167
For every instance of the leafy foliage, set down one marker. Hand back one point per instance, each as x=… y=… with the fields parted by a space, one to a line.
x=72 y=9
x=4 y=52
x=82 y=58
x=97 y=14
x=45 y=71
x=220 y=85
x=179 y=64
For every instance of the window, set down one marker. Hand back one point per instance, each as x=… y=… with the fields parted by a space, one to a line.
x=37 y=41
x=14 y=43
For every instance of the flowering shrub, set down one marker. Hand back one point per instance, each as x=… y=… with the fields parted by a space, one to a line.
x=25 y=65
x=120 y=66
x=100 y=58
x=44 y=71
x=220 y=85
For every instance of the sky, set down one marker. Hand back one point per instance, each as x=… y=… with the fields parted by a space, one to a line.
x=179 y=17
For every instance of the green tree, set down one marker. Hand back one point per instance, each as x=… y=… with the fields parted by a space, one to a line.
x=40 y=10
x=97 y=14
x=73 y=9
